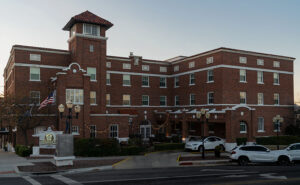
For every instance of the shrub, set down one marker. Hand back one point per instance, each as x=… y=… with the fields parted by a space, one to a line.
x=241 y=140
x=23 y=151
x=281 y=140
x=169 y=146
x=132 y=150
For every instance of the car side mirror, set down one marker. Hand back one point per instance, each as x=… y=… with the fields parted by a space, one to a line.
x=268 y=150
x=288 y=149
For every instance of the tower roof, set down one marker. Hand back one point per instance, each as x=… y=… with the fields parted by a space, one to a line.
x=87 y=17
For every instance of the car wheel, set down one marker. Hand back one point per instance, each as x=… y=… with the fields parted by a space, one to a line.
x=222 y=148
x=284 y=161
x=243 y=161
x=200 y=149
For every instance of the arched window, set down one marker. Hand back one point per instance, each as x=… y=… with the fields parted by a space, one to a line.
x=243 y=127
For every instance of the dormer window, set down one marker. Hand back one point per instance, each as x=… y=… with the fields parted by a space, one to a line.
x=90 y=29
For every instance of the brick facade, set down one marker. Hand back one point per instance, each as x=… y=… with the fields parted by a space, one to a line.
x=67 y=69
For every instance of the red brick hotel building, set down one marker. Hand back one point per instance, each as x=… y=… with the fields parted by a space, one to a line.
x=241 y=90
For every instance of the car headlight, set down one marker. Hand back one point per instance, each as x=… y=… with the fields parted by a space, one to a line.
x=195 y=144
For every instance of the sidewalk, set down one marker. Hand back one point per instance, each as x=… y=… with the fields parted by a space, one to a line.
x=195 y=159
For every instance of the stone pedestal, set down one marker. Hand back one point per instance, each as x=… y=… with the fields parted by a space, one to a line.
x=64 y=154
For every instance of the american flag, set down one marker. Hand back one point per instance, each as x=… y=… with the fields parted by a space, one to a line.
x=48 y=100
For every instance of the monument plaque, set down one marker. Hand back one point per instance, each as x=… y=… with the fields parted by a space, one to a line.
x=64 y=154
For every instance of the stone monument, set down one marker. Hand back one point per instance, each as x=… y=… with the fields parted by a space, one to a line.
x=64 y=154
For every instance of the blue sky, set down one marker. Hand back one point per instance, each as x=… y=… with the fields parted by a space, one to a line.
x=160 y=29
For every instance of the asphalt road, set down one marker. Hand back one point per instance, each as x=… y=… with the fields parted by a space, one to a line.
x=222 y=175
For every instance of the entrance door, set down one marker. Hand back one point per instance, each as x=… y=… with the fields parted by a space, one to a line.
x=145 y=131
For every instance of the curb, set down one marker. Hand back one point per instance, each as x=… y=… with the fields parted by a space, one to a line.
x=201 y=163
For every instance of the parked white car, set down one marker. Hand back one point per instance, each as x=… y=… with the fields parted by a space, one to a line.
x=294 y=151
x=210 y=143
x=259 y=154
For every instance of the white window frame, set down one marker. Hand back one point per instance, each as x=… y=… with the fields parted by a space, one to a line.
x=192 y=78
x=129 y=101
x=260 y=77
x=39 y=129
x=276 y=64
x=176 y=68
x=94 y=131
x=145 y=68
x=126 y=66
x=165 y=100
x=260 y=62
x=245 y=97
x=192 y=64
x=245 y=126
x=210 y=73
x=108 y=64
x=114 y=131
x=260 y=95
x=274 y=79
x=209 y=98
x=243 y=60
x=194 y=99
x=31 y=72
x=145 y=77
x=176 y=79
x=176 y=98
x=35 y=57
x=260 y=124
x=93 y=92
x=163 y=69
x=73 y=93
x=90 y=71
x=209 y=60
x=165 y=82
x=147 y=96
x=143 y=131
x=91 y=48
x=92 y=26
x=276 y=96
x=75 y=130
x=108 y=79
x=107 y=99
x=241 y=75
x=39 y=97
x=125 y=81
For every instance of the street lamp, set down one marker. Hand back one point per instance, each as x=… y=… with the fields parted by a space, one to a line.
x=277 y=120
x=69 y=117
x=206 y=115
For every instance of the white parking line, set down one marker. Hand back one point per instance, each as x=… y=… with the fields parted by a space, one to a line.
x=271 y=176
x=66 y=180
x=31 y=180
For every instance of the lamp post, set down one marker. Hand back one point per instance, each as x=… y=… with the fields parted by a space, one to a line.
x=277 y=120
x=203 y=113
x=69 y=117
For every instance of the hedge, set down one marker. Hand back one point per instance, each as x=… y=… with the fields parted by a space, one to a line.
x=132 y=150
x=281 y=140
x=23 y=151
x=169 y=146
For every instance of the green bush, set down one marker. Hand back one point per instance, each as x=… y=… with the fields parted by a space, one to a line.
x=169 y=146
x=132 y=150
x=241 y=140
x=23 y=151
x=281 y=140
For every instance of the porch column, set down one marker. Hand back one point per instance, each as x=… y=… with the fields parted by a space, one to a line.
x=168 y=126
x=184 y=127
x=205 y=127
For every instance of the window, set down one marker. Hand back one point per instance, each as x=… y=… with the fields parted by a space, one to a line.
x=176 y=68
x=242 y=75
x=191 y=64
x=107 y=78
x=145 y=68
x=243 y=60
x=92 y=131
x=162 y=82
x=39 y=129
x=276 y=99
x=192 y=79
x=209 y=60
x=162 y=100
x=210 y=76
x=35 y=57
x=176 y=81
x=242 y=97
x=145 y=81
x=89 y=29
x=243 y=127
x=126 y=99
x=35 y=97
x=145 y=100
x=277 y=126
x=192 y=99
x=91 y=48
x=145 y=131
x=260 y=126
x=177 y=100
x=260 y=62
x=34 y=74
x=276 y=64
x=73 y=30
x=107 y=99
x=260 y=98
x=93 y=98
x=114 y=131
x=210 y=98
x=126 y=80
x=74 y=95
x=92 y=72
x=260 y=77
x=75 y=130
x=162 y=69
x=126 y=66
x=108 y=64
x=276 y=78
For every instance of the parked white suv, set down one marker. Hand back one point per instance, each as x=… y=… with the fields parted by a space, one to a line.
x=294 y=151
x=257 y=153
x=210 y=143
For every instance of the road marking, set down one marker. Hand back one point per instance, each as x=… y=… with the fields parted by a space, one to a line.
x=178 y=157
x=117 y=163
x=271 y=176
x=221 y=170
x=265 y=181
x=66 y=180
x=31 y=180
x=236 y=176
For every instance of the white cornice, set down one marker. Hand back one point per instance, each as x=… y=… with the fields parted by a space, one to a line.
x=119 y=59
x=40 y=50
x=40 y=66
x=235 y=106
x=86 y=36
x=126 y=115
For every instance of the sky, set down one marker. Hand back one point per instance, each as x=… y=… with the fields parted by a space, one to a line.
x=160 y=29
